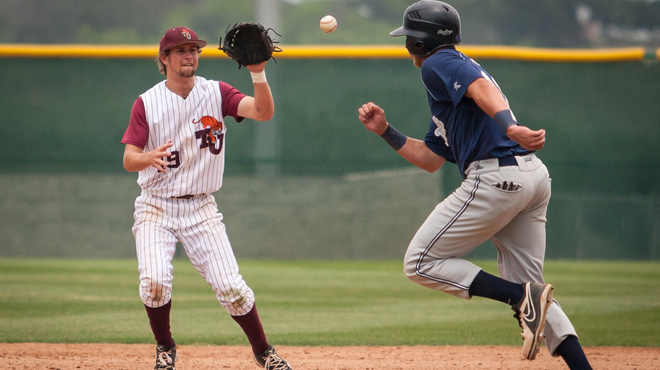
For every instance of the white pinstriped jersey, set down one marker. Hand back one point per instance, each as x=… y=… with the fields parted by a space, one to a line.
x=197 y=130
x=196 y=127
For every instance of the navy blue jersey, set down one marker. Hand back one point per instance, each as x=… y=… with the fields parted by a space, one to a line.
x=459 y=130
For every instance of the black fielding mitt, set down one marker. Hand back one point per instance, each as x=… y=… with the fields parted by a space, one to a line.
x=249 y=43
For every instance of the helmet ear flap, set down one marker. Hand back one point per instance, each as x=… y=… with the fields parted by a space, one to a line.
x=415 y=46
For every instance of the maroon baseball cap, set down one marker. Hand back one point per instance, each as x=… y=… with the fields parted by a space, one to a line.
x=179 y=35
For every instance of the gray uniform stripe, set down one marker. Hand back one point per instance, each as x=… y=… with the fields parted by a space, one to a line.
x=439 y=234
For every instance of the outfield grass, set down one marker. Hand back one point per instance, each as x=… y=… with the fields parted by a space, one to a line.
x=317 y=303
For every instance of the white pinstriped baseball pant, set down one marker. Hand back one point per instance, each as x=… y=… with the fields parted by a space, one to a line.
x=477 y=211
x=197 y=224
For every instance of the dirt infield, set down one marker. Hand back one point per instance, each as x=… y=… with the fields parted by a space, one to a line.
x=32 y=356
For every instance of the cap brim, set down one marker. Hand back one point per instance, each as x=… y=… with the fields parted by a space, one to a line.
x=199 y=43
x=408 y=32
x=398 y=32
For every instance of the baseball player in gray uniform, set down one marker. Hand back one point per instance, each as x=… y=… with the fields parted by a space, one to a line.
x=175 y=139
x=505 y=190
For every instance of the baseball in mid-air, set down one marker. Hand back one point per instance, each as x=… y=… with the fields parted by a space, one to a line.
x=328 y=23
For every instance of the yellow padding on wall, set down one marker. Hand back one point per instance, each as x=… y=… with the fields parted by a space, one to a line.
x=332 y=51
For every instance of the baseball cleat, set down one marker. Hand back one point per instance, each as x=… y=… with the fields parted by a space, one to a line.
x=165 y=357
x=530 y=312
x=270 y=360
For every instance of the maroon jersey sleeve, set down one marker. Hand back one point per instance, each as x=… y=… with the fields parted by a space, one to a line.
x=137 y=132
x=230 y=99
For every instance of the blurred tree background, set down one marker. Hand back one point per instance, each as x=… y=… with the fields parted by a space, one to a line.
x=538 y=23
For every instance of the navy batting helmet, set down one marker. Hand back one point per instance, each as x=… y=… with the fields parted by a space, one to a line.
x=428 y=25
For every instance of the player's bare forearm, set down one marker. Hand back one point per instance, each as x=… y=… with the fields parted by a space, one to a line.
x=261 y=107
x=526 y=137
x=136 y=160
x=264 y=104
x=413 y=150
x=490 y=99
x=416 y=152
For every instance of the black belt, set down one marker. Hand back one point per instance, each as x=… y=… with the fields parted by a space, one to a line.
x=184 y=196
x=507 y=161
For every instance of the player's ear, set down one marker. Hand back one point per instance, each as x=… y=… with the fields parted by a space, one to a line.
x=163 y=57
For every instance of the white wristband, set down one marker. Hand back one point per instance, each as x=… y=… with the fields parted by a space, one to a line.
x=259 y=77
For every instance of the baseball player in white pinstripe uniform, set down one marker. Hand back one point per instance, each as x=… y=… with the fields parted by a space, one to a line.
x=175 y=139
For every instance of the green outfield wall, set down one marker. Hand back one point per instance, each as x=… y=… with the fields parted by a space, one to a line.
x=313 y=183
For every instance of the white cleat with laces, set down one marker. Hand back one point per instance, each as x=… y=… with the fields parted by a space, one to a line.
x=270 y=360
x=530 y=312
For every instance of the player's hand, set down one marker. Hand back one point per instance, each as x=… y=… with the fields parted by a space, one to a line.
x=256 y=68
x=155 y=157
x=526 y=137
x=373 y=118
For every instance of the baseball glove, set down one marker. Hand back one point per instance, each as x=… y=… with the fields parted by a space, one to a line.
x=249 y=43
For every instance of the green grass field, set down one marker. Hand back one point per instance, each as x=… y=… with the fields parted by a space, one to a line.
x=317 y=303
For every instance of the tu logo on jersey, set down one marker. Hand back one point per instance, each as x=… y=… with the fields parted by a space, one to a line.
x=213 y=133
